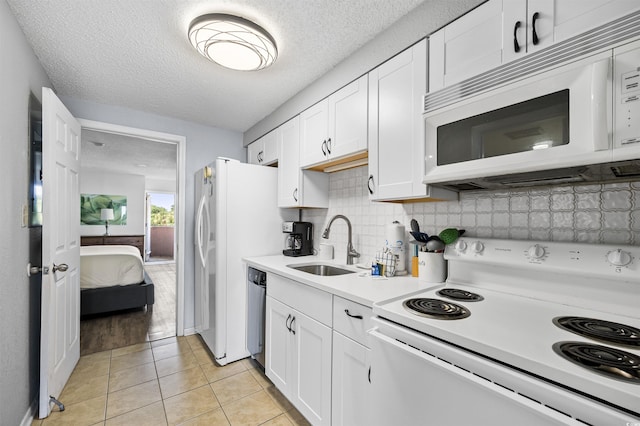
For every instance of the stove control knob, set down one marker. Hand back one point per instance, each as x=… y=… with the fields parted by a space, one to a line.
x=618 y=258
x=477 y=247
x=536 y=252
x=461 y=245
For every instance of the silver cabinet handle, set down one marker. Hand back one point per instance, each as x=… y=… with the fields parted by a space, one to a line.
x=329 y=145
x=324 y=147
x=295 y=195
x=61 y=267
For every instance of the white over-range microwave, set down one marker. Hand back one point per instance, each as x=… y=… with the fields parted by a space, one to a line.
x=576 y=122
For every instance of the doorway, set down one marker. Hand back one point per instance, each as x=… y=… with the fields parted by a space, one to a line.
x=136 y=327
x=160 y=227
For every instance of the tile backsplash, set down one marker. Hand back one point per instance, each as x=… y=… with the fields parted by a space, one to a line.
x=607 y=213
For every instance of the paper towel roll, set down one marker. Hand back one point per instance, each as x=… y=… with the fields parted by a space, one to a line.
x=394 y=241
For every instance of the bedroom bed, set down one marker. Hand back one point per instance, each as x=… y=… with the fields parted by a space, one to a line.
x=112 y=278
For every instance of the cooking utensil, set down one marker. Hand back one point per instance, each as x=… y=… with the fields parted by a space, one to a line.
x=419 y=236
x=434 y=244
x=449 y=235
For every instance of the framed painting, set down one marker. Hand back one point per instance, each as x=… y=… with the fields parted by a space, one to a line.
x=92 y=204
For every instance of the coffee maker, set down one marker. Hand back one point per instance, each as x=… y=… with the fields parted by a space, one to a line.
x=298 y=240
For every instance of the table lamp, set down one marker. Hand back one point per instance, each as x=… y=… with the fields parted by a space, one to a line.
x=106 y=215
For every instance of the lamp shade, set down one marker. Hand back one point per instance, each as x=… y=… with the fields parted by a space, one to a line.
x=233 y=42
x=106 y=214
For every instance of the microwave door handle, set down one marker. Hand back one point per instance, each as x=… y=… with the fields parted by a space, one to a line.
x=600 y=105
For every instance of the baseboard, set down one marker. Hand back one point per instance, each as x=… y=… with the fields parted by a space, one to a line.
x=189 y=331
x=31 y=414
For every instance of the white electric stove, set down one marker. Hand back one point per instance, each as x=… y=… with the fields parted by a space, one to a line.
x=510 y=355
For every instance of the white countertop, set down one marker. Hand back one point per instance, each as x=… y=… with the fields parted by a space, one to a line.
x=359 y=287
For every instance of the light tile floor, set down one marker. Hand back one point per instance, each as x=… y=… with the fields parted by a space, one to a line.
x=169 y=382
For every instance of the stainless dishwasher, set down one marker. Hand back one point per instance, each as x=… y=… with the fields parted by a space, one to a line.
x=256 y=294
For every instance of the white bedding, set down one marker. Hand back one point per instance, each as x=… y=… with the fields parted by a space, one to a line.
x=106 y=266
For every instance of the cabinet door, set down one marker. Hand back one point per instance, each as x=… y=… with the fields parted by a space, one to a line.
x=314 y=132
x=255 y=152
x=573 y=17
x=288 y=137
x=468 y=46
x=517 y=28
x=396 y=130
x=270 y=148
x=348 y=119
x=312 y=342
x=350 y=384
x=278 y=357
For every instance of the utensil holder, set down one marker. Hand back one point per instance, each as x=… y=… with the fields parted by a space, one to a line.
x=432 y=267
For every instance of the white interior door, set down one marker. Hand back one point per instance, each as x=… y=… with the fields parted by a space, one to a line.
x=60 y=311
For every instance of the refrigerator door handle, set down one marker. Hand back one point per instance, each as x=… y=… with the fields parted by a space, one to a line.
x=199 y=226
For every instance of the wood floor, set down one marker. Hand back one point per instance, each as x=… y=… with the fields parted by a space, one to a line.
x=105 y=332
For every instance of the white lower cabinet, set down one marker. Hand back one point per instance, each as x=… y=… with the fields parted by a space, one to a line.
x=298 y=358
x=351 y=387
x=350 y=394
x=317 y=352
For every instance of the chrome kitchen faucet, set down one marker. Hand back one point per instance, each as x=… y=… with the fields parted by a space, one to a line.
x=351 y=253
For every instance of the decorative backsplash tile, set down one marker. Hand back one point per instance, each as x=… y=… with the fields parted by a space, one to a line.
x=608 y=213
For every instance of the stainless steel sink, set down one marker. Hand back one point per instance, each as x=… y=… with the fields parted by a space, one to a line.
x=321 y=269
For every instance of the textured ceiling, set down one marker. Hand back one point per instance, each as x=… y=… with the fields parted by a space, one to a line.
x=136 y=54
x=108 y=152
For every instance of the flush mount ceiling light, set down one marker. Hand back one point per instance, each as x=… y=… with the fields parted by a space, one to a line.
x=233 y=42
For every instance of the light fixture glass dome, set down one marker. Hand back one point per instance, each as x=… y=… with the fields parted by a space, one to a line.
x=233 y=42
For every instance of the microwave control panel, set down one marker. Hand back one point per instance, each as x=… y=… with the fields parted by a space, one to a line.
x=626 y=81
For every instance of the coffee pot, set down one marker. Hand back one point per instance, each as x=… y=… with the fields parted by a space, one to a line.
x=298 y=239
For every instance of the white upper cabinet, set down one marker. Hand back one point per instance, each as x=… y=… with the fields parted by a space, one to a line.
x=296 y=187
x=396 y=128
x=468 y=46
x=500 y=31
x=263 y=151
x=336 y=127
x=573 y=17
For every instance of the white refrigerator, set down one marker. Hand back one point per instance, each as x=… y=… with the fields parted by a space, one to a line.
x=237 y=216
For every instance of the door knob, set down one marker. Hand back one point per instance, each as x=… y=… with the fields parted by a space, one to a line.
x=61 y=267
x=32 y=270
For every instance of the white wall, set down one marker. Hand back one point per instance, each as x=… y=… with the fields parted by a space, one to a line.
x=131 y=186
x=20 y=74
x=204 y=144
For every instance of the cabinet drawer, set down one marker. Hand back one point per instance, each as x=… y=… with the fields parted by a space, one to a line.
x=346 y=319
x=123 y=241
x=312 y=302
x=91 y=241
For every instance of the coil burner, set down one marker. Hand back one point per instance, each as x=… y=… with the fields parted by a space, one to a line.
x=457 y=294
x=611 y=362
x=435 y=308
x=603 y=331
